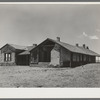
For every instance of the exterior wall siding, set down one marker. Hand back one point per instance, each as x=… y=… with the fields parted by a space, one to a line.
x=0 y=56
x=7 y=49
x=34 y=57
x=65 y=57
x=4 y=63
x=76 y=59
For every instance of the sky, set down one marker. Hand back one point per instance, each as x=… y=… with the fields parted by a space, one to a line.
x=27 y=24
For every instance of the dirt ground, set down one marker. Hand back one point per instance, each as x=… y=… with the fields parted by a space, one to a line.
x=25 y=76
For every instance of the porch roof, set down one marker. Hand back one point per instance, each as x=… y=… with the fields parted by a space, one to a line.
x=27 y=51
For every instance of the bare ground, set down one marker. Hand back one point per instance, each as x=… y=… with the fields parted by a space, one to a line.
x=25 y=76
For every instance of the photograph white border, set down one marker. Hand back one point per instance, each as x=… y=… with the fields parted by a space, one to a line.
x=50 y=93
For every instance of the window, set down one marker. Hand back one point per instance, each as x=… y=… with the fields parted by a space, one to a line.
x=74 y=57
x=80 y=57
x=7 y=57
x=77 y=56
x=84 y=57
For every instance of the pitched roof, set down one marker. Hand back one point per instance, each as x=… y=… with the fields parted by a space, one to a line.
x=76 y=49
x=27 y=52
x=89 y=52
x=72 y=48
x=18 y=46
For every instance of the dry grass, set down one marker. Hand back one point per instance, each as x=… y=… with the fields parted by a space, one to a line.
x=25 y=76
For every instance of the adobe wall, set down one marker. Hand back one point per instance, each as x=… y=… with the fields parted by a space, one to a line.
x=5 y=63
x=60 y=56
x=55 y=56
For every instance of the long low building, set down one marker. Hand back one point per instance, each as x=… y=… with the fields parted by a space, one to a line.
x=57 y=53
x=50 y=52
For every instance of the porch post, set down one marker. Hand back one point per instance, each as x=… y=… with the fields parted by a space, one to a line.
x=82 y=59
x=71 y=57
x=37 y=55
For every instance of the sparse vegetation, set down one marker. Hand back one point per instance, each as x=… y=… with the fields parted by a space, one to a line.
x=52 y=66
x=25 y=76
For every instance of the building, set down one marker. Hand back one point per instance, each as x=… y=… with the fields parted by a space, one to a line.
x=24 y=57
x=10 y=54
x=57 y=53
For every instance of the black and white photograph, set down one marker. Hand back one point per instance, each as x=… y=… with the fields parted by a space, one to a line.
x=49 y=45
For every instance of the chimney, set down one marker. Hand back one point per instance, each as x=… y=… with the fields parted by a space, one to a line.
x=83 y=45
x=34 y=45
x=87 y=47
x=58 y=39
x=77 y=44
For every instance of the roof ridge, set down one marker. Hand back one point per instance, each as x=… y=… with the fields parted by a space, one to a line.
x=64 y=43
x=16 y=44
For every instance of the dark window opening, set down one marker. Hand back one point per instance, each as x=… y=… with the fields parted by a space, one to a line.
x=7 y=57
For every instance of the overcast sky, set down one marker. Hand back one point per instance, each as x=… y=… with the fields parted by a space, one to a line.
x=27 y=24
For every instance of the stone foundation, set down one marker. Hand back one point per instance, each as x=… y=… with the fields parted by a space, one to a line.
x=7 y=64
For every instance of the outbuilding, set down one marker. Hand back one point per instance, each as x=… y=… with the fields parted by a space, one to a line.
x=11 y=54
